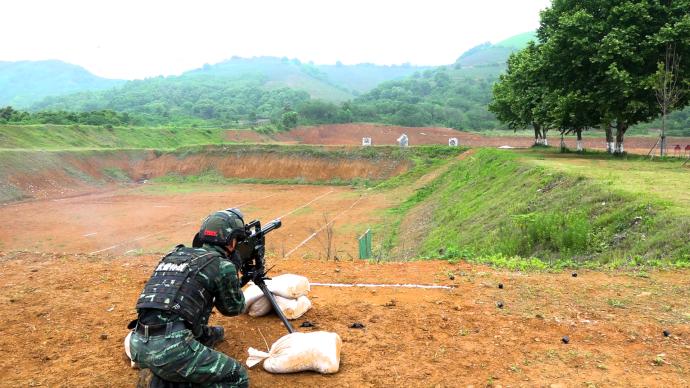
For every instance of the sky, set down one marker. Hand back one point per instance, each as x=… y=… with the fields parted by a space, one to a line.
x=130 y=39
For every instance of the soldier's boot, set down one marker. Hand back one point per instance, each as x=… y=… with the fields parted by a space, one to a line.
x=149 y=380
x=145 y=378
x=212 y=335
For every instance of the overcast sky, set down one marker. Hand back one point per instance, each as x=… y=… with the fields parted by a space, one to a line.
x=143 y=38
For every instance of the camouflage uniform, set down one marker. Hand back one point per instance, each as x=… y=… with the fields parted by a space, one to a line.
x=177 y=355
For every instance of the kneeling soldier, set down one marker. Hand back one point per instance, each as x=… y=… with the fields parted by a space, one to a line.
x=171 y=337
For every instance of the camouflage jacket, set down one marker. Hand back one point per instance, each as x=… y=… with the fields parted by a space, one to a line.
x=220 y=279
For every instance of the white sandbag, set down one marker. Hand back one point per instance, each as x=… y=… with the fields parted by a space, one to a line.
x=288 y=285
x=291 y=308
x=260 y=308
x=296 y=352
x=129 y=352
x=294 y=308
x=251 y=295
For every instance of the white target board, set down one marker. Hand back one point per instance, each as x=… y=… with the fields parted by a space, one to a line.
x=366 y=141
x=403 y=140
x=453 y=142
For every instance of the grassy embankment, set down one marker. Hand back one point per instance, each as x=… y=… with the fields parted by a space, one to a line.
x=57 y=150
x=64 y=137
x=545 y=210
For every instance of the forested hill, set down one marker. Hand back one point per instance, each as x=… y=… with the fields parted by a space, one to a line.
x=456 y=96
x=26 y=82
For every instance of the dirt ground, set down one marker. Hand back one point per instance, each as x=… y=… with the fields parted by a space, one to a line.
x=352 y=134
x=154 y=218
x=71 y=269
x=64 y=318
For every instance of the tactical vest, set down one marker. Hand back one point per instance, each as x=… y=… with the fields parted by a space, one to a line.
x=173 y=286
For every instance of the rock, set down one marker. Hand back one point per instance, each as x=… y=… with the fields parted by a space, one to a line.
x=499 y=305
x=356 y=325
x=574 y=274
x=667 y=333
x=500 y=286
x=306 y=324
x=451 y=277
x=104 y=336
x=565 y=339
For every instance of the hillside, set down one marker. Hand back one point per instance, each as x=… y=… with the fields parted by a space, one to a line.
x=455 y=96
x=492 y=54
x=235 y=89
x=565 y=211
x=25 y=82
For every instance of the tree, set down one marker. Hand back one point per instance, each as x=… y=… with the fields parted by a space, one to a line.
x=606 y=52
x=518 y=96
x=289 y=120
x=668 y=89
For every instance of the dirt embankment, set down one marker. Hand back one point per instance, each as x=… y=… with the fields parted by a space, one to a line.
x=41 y=174
x=352 y=134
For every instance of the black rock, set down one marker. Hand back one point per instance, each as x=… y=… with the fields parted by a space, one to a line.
x=500 y=285
x=357 y=325
x=104 y=336
x=306 y=324
x=574 y=274
x=451 y=277
x=667 y=333
x=499 y=305
x=565 y=339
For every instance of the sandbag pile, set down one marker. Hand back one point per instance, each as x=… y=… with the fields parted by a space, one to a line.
x=290 y=292
x=296 y=352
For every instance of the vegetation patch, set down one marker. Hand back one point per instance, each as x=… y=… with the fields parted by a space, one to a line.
x=500 y=207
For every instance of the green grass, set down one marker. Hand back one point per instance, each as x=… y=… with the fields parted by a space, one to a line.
x=501 y=207
x=62 y=137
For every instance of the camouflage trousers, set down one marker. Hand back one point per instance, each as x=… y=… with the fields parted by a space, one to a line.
x=179 y=357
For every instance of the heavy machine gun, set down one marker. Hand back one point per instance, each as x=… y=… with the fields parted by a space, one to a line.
x=252 y=250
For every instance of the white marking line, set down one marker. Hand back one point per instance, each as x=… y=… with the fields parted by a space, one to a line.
x=323 y=227
x=306 y=204
x=163 y=231
x=381 y=285
x=161 y=205
x=90 y=234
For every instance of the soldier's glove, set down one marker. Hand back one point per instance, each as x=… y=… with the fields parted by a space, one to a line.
x=245 y=279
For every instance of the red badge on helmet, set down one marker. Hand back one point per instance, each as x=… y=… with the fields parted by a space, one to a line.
x=211 y=233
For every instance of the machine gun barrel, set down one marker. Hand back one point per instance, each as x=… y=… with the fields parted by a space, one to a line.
x=275 y=224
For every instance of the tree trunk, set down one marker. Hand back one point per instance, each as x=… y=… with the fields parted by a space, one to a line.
x=621 y=127
x=609 y=138
x=537 y=133
x=546 y=141
x=563 y=148
x=662 y=149
x=579 y=140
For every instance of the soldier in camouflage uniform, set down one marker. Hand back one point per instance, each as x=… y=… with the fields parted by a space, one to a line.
x=171 y=337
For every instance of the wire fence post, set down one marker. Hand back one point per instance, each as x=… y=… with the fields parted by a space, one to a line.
x=365 y=245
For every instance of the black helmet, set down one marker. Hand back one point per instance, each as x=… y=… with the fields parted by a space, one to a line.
x=221 y=227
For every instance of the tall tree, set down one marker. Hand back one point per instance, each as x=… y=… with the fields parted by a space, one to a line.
x=518 y=96
x=607 y=50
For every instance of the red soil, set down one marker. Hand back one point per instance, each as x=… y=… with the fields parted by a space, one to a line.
x=352 y=134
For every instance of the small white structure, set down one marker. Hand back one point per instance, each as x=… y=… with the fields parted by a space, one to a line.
x=366 y=141
x=403 y=141
x=453 y=142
